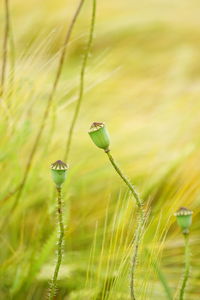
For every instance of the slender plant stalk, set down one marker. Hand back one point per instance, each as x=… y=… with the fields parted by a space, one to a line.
x=12 y=58
x=82 y=82
x=59 y=244
x=138 y=238
x=5 y=46
x=187 y=267
x=125 y=179
x=49 y=102
x=10 y=194
x=161 y=276
x=140 y=223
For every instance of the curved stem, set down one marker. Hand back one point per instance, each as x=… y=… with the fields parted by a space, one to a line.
x=12 y=59
x=125 y=179
x=187 y=266
x=59 y=244
x=5 y=46
x=82 y=81
x=140 y=222
x=48 y=106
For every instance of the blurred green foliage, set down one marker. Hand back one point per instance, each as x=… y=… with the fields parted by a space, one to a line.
x=143 y=81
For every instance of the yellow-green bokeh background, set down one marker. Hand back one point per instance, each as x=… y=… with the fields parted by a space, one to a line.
x=143 y=80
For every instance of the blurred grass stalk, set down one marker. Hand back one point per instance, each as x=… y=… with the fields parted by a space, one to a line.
x=82 y=81
x=161 y=276
x=20 y=188
x=5 y=47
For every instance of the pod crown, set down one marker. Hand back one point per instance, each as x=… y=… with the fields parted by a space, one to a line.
x=96 y=126
x=183 y=211
x=59 y=165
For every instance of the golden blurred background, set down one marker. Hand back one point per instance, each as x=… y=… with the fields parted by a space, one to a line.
x=143 y=80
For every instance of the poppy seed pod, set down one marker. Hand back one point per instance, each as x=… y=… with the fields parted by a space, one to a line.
x=184 y=219
x=59 y=172
x=99 y=135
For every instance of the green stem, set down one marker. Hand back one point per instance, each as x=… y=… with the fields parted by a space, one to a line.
x=140 y=223
x=161 y=276
x=82 y=82
x=187 y=266
x=59 y=244
x=138 y=237
x=126 y=180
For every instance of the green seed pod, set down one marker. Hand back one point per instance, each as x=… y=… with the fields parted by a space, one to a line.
x=59 y=172
x=184 y=219
x=99 y=135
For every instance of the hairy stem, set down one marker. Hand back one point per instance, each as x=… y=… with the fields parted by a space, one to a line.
x=126 y=180
x=138 y=238
x=5 y=46
x=140 y=223
x=82 y=81
x=59 y=245
x=49 y=102
x=187 y=267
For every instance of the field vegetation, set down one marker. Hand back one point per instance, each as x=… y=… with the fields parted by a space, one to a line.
x=142 y=79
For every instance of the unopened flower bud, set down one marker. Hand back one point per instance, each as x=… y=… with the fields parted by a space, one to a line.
x=184 y=219
x=59 y=172
x=99 y=135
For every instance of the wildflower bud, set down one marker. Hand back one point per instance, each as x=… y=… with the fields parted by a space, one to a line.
x=184 y=219
x=59 y=172
x=100 y=135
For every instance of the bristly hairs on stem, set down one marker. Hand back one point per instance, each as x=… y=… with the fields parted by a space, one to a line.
x=140 y=223
x=184 y=220
x=58 y=173
x=82 y=81
x=48 y=106
x=101 y=138
x=187 y=267
x=53 y=287
x=5 y=47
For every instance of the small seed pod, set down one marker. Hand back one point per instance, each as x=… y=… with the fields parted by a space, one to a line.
x=59 y=172
x=184 y=219
x=99 y=135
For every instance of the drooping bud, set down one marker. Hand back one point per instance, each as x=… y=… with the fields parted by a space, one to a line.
x=99 y=135
x=59 y=172
x=184 y=219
